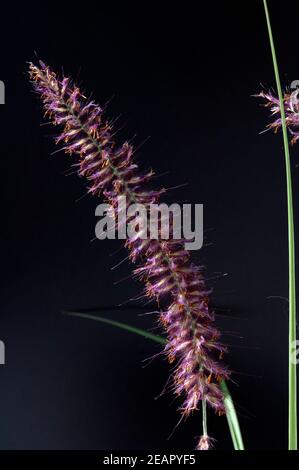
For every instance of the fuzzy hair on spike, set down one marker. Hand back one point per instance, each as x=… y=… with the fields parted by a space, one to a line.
x=169 y=275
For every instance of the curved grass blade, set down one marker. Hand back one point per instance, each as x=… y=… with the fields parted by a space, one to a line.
x=292 y=286
x=231 y=414
x=124 y=326
x=232 y=418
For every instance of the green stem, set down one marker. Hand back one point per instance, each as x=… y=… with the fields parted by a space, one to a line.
x=232 y=418
x=204 y=418
x=292 y=287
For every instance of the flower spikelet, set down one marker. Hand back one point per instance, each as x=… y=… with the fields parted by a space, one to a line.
x=291 y=109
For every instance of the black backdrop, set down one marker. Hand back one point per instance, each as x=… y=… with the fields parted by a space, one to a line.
x=185 y=77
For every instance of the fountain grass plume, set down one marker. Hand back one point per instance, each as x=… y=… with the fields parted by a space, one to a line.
x=165 y=267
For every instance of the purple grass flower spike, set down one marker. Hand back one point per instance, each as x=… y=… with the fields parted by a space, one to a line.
x=205 y=443
x=165 y=267
x=291 y=107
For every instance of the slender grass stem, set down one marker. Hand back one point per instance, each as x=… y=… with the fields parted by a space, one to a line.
x=204 y=418
x=292 y=412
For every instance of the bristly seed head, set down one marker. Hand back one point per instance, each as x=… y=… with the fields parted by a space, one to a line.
x=165 y=267
x=291 y=108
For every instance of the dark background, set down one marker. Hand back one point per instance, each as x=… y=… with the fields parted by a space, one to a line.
x=185 y=77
